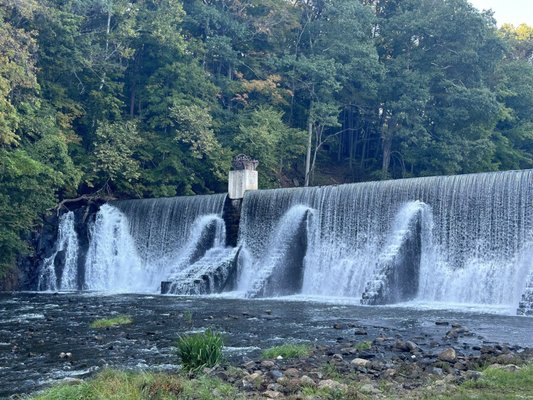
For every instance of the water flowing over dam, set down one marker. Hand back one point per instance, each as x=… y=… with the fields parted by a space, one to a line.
x=476 y=234
x=455 y=239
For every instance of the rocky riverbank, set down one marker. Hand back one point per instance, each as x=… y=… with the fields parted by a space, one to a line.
x=376 y=367
x=380 y=368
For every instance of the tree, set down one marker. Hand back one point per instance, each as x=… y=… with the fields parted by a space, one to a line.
x=322 y=65
x=264 y=136
x=114 y=151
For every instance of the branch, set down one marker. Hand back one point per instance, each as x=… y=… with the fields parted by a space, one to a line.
x=102 y=194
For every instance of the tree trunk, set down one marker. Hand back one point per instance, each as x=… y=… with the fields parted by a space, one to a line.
x=386 y=140
x=308 y=156
x=108 y=31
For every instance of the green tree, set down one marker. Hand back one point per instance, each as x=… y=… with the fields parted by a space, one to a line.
x=114 y=163
x=264 y=136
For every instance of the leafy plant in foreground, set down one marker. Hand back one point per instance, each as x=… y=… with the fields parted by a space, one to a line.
x=201 y=350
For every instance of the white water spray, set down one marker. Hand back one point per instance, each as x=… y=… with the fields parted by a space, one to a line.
x=67 y=245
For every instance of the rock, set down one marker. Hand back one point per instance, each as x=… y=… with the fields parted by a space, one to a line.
x=339 y=326
x=473 y=375
x=337 y=358
x=256 y=378
x=412 y=346
x=255 y=375
x=268 y=364
x=445 y=323
x=348 y=350
x=377 y=365
x=401 y=345
x=506 y=359
x=272 y=394
x=275 y=387
x=360 y=332
x=456 y=331
x=269 y=312
x=247 y=385
x=332 y=385
x=360 y=362
x=65 y=355
x=370 y=389
x=307 y=381
x=276 y=374
x=509 y=367
x=389 y=373
x=282 y=381
x=448 y=355
x=292 y=373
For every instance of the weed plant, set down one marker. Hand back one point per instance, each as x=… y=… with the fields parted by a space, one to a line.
x=201 y=350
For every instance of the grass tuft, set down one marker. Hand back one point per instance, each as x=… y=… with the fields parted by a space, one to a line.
x=111 y=322
x=365 y=345
x=287 y=351
x=117 y=385
x=202 y=350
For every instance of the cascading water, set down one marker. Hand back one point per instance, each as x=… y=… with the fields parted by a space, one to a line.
x=136 y=244
x=481 y=230
x=65 y=254
x=205 y=262
x=268 y=273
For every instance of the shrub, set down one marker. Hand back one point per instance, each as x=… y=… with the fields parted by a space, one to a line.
x=111 y=322
x=287 y=351
x=202 y=350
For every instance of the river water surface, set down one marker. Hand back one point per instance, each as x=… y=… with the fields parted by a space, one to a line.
x=35 y=328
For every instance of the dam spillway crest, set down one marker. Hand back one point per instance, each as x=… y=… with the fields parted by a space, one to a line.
x=464 y=239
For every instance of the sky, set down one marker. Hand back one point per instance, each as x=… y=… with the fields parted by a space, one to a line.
x=508 y=11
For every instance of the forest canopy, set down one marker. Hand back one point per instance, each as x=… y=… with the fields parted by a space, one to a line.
x=150 y=98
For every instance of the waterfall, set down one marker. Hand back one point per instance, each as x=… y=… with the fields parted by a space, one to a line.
x=268 y=272
x=63 y=262
x=137 y=244
x=480 y=232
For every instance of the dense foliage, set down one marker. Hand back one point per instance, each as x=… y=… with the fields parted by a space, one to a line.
x=153 y=97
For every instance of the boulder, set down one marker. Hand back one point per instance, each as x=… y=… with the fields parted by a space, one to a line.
x=360 y=363
x=448 y=355
x=332 y=385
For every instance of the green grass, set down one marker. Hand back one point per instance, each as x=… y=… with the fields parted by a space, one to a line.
x=202 y=350
x=117 y=385
x=111 y=322
x=494 y=384
x=287 y=351
x=366 y=345
x=187 y=316
x=498 y=383
x=330 y=371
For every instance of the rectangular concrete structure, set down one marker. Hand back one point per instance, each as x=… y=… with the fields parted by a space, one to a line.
x=240 y=181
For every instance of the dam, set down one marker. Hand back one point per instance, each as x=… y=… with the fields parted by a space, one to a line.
x=465 y=239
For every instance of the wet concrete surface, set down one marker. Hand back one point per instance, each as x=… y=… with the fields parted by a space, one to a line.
x=35 y=328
